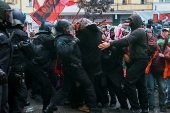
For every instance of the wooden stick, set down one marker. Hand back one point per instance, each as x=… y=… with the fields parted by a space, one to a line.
x=78 y=11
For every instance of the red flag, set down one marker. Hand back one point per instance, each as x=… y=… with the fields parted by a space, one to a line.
x=48 y=12
x=69 y=2
x=36 y=5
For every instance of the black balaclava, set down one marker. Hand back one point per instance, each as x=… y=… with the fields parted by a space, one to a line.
x=136 y=22
x=112 y=37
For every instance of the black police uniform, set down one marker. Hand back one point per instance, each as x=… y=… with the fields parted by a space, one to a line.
x=17 y=88
x=71 y=58
x=5 y=61
x=41 y=61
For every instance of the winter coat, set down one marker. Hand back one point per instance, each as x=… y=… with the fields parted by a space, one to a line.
x=136 y=40
x=90 y=37
x=158 y=63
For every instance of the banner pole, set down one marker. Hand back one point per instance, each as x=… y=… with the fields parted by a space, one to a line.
x=78 y=11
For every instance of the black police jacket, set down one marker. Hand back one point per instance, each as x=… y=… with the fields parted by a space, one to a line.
x=20 y=54
x=6 y=50
x=46 y=40
x=68 y=52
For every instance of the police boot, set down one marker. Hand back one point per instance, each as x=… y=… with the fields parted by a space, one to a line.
x=50 y=108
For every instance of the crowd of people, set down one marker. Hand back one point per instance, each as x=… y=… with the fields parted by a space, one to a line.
x=85 y=63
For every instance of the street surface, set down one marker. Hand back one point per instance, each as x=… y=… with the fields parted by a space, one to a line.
x=36 y=106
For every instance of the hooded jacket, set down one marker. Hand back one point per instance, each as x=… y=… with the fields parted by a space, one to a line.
x=136 y=40
x=90 y=37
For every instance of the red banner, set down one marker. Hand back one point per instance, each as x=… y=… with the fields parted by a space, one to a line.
x=36 y=5
x=48 y=12
x=69 y=2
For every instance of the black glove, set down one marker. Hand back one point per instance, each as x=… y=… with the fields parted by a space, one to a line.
x=23 y=44
x=2 y=74
x=75 y=40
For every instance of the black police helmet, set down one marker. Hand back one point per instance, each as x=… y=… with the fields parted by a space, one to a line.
x=3 y=7
x=18 y=17
x=47 y=26
x=60 y=25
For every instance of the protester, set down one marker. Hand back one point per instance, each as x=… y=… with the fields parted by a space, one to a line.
x=90 y=37
x=112 y=58
x=165 y=32
x=135 y=77
x=104 y=79
x=156 y=69
x=6 y=52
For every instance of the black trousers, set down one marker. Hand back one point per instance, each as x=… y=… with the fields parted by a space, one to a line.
x=4 y=107
x=42 y=78
x=17 y=94
x=135 y=79
x=105 y=87
x=71 y=75
x=114 y=80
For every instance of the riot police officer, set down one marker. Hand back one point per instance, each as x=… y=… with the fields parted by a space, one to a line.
x=17 y=88
x=69 y=52
x=42 y=61
x=5 y=54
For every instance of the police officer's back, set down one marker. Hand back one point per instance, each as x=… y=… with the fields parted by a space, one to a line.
x=5 y=54
x=66 y=46
x=46 y=40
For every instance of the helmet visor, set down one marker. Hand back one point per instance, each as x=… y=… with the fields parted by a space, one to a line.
x=69 y=30
x=9 y=15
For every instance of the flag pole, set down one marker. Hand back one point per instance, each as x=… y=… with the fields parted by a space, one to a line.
x=78 y=11
x=33 y=6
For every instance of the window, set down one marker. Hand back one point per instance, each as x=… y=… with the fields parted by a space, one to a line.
x=30 y=3
x=8 y=1
x=127 y=1
x=14 y=1
x=164 y=0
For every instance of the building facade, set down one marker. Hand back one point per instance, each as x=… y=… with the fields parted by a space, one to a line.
x=122 y=10
x=14 y=4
